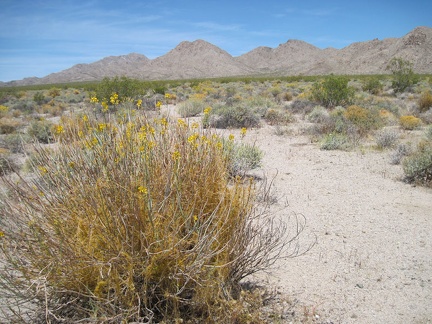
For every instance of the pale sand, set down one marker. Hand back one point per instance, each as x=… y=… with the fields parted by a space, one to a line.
x=372 y=262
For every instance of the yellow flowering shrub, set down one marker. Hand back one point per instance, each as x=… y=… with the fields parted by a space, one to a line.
x=409 y=122
x=134 y=220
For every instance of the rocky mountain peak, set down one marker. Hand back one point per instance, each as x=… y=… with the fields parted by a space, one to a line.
x=201 y=59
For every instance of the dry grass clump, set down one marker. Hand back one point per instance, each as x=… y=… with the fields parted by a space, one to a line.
x=135 y=220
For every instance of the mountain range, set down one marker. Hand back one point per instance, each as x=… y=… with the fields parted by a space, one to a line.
x=200 y=59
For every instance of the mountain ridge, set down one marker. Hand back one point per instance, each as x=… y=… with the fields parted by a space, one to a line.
x=201 y=59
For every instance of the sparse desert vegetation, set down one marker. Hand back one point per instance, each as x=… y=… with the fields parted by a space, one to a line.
x=126 y=200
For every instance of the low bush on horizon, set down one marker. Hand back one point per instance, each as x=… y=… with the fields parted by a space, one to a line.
x=134 y=220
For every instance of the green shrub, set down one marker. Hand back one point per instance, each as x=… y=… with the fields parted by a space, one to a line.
x=124 y=87
x=233 y=117
x=386 y=138
x=409 y=122
x=403 y=75
x=334 y=141
x=8 y=126
x=134 y=222
x=259 y=105
x=241 y=157
x=425 y=101
x=54 y=92
x=318 y=115
x=3 y=111
x=401 y=151
x=14 y=142
x=278 y=117
x=303 y=107
x=25 y=107
x=372 y=85
x=428 y=132
x=7 y=164
x=191 y=107
x=364 y=119
x=41 y=130
x=39 y=98
x=418 y=166
x=333 y=91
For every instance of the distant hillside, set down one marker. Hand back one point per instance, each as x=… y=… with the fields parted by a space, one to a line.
x=200 y=59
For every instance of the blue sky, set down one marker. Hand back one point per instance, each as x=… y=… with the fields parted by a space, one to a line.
x=38 y=37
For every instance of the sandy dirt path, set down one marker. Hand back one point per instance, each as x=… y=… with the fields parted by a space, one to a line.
x=372 y=262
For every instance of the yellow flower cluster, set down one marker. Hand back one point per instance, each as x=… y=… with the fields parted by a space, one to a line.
x=243 y=132
x=101 y=127
x=139 y=103
x=94 y=100
x=176 y=155
x=104 y=106
x=59 y=129
x=142 y=190
x=114 y=99
x=158 y=104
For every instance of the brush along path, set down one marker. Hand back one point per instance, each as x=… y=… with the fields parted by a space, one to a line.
x=372 y=261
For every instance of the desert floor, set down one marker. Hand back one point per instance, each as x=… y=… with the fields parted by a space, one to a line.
x=372 y=261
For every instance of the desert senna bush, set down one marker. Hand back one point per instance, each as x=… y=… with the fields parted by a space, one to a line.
x=134 y=221
x=409 y=122
x=3 y=111
x=364 y=119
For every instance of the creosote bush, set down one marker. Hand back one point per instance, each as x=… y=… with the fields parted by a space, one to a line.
x=403 y=74
x=333 y=91
x=133 y=221
x=372 y=85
